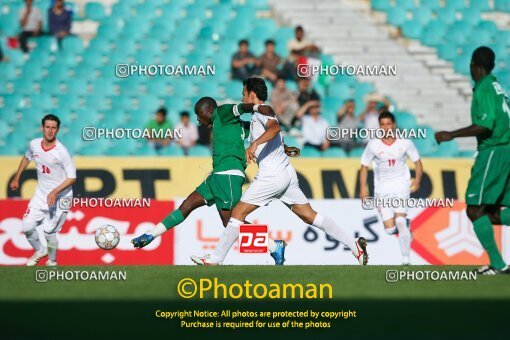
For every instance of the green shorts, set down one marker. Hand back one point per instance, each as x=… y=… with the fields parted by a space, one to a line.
x=223 y=190
x=490 y=178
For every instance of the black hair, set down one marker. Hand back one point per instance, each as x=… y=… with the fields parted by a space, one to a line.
x=51 y=117
x=386 y=114
x=270 y=41
x=257 y=85
x=184 y=114
x=299 y=28
x=484 y=57
x=162 y=110
x=243 y=41
x=204 y=103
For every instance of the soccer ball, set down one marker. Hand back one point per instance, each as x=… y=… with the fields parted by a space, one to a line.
x=107 y=237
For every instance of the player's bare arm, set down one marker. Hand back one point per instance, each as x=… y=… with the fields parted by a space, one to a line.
x=415 y=186
x=363 y=183
x=52 y=196
x=469 y=131
x=272 y=130
x=22 y=166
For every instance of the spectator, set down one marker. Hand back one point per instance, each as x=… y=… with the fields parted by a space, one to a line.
x=346 y=119
x=301 y=46
x=298 y=47
x=158 y=126
x=31 y=24
x=370 y=116
x=305 y=92
x=268 y=62
x=243 y=62
x=59 y=21
x=314 y=128
x=189 y=132
x=284 y=103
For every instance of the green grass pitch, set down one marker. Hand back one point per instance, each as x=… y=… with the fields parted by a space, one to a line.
x=349 y=282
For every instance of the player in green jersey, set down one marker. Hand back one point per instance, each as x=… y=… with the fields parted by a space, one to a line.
x=488 y=189
x=223 y=186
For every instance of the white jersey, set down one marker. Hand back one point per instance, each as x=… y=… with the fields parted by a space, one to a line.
x=54 y=166
x=391 y=173
x=270 y=155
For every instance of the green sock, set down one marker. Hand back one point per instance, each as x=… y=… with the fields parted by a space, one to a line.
x=505 y=216
x=485 y=233
x=173 y=219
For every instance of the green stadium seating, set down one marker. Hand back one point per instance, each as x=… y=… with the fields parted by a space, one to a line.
x=447 y=149
x=172 y=150
x=308 y=151
x=334 y=153
x=199 y=151
x=94 y=11
x=356 y=152
x=397 y=16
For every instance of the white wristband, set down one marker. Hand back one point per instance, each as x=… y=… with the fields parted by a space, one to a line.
x=255 y=107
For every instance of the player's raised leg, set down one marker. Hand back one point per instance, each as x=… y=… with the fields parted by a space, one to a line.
x=326 y=224
x=176 y=217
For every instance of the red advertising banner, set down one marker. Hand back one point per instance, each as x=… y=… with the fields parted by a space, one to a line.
x=77 y=245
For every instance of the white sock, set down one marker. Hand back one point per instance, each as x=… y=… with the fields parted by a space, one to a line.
x=227 y=240
x=33 y=239
x=404 y=235
x=158 y=230
x=271 y=246
x=326 y=224
x=52 y=245
x=391 y=231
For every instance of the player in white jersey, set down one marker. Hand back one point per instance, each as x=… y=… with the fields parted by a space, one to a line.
x=275 y=179
x=55 y=175
x=392 y=180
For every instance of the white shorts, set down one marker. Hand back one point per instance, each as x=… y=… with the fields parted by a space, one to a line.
x=283 y=185
x=51 y=220
x=388 y=212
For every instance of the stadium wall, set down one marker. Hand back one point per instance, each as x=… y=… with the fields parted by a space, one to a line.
x=171 y=178
x=441 y=236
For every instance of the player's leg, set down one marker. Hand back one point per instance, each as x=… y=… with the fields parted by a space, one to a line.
x=404 y=237
x=52 y=224
x=198 y=198
x=488 y=186
x=325 y=223
x=485 y=233
x=32 y=218
x=260 y=192
x=229 y=235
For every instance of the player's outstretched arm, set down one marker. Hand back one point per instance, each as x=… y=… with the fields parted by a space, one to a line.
x=14 y=185
x=469 y=131
x=263 y=109
x=272 y=130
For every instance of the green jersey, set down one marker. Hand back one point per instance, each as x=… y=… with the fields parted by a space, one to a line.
x=228 y=138
x=490 y=108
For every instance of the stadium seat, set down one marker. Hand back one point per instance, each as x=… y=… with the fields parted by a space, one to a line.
x=308 y=151
x=446 y=15
x=405 y=120
x=405 y=4
x=432 y=4
x=94 y=11
x=72 y=44
x=455 y=4
x=334 y=153
x=199 y=151
x=103 y=86
x=25 y=86
x=447 y=149
x=356 y=152
x=381 y=5
x=397 y=16
x=340 y=90
x=48 y=85
x=149 y=102
x=172 y=150
x=422 y=15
